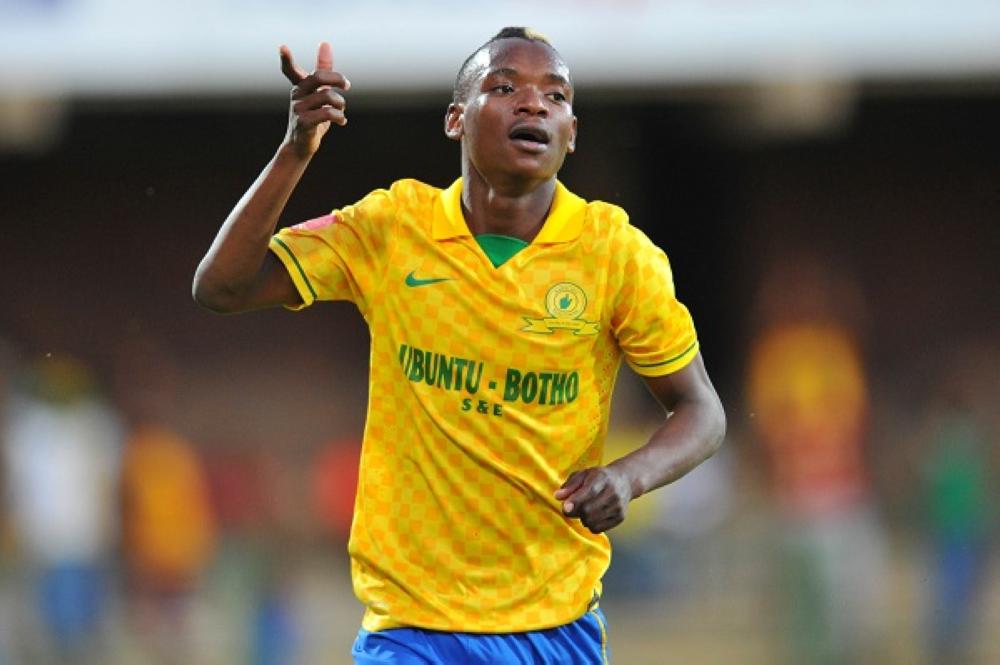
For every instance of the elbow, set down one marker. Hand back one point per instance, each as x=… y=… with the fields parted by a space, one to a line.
x=212 y=296
x=717 y=430
x=712 y=428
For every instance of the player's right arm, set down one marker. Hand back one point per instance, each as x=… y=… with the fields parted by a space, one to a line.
x=238 y=273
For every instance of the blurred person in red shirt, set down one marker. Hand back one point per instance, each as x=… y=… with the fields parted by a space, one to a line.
x=809 y=405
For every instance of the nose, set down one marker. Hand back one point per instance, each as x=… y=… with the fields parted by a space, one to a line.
x=531 y=102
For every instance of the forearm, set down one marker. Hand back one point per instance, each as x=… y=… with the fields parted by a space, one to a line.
x=689 y=436
x=232 y=265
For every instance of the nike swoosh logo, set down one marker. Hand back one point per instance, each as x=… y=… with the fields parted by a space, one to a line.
x=415 y=281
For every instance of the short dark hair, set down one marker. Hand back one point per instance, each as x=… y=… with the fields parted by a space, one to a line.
x=463 y=82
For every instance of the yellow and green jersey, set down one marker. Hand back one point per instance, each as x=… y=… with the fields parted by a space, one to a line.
x=490 y=383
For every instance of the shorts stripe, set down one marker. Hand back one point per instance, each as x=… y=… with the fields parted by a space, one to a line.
x=604 y=635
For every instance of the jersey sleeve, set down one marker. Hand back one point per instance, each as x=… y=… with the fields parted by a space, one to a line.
x=654 y=330
x=340 y=256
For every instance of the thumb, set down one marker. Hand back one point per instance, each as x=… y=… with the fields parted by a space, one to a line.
x=292 y=72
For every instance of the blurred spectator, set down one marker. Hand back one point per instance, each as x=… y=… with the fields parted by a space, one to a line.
x=168 y=534
x=62 y=453
x=168 y=525
x=167 y=521
x=956 y=483
x=809 y=403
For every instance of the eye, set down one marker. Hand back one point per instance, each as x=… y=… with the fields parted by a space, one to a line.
x=558 y=96
x=503 y=88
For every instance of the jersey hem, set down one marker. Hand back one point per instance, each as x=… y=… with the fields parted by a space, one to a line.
x=379 y=625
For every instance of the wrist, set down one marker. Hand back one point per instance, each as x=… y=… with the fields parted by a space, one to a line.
x=626 y=481
x=291 y=151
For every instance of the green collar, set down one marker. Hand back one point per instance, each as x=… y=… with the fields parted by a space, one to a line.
x=500 y=249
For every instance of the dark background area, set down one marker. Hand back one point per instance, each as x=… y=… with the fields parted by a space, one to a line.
x=103 y=231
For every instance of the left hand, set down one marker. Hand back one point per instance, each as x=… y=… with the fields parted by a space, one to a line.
x=598 y=496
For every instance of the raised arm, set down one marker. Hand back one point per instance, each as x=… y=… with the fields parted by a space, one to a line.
x=691 y=433
x=238 y=272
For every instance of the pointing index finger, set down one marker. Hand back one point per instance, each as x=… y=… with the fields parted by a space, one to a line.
x=324 y=57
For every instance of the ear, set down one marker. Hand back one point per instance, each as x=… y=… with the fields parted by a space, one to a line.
x=454 y=122
x=571 y=146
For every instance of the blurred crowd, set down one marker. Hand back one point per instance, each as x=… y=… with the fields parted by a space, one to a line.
x=870 y=524
x=834 y=527
x=122 y=540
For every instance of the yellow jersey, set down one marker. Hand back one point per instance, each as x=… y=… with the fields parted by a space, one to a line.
x=489 y=386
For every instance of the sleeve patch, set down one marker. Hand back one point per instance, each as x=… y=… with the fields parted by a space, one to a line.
x=317 y=223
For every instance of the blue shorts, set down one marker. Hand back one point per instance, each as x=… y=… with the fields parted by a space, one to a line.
x=583 y=642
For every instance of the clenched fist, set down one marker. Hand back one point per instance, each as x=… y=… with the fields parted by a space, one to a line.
x=598 y=496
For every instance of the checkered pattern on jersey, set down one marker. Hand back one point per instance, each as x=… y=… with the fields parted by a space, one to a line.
x=488 y=387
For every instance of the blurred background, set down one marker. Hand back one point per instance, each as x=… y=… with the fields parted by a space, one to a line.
x=825 y=176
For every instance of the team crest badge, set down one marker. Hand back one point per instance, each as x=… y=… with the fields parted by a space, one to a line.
x=565 y=302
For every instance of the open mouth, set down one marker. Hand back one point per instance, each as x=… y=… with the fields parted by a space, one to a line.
x=530 y=135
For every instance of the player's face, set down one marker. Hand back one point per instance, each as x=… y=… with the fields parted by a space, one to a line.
x=518 y=120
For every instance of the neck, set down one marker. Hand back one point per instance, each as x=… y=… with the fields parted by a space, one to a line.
x=512 y=209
